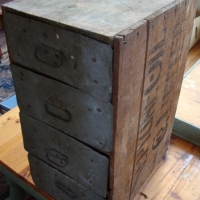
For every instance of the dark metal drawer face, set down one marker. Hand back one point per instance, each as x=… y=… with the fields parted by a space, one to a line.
x=57 y=184
x=65 y=108
x=71 y=157
x=69 y=57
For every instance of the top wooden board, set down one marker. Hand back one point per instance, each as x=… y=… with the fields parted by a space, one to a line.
x=100 y=20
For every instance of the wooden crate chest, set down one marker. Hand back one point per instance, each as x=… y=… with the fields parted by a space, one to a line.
x=97 y=84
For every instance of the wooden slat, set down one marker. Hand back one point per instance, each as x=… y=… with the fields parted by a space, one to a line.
x=101 y=20
x=167 y=52
x=128 y=79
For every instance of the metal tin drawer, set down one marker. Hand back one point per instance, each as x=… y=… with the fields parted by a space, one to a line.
x=69 y=57
x=73 y=158
x=57 y=184
x=65 y=108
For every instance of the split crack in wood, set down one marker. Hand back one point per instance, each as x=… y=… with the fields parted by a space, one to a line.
x=126 y=5
x=144 y=195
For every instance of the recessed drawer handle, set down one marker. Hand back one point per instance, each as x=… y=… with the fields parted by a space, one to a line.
x=65 y=189
x=57 y=108
x=57 y=158
x=48 y=55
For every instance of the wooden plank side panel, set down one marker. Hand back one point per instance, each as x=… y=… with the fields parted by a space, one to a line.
x=178 y=56
x=187 y=12
x=129 y=61
x=166 y=47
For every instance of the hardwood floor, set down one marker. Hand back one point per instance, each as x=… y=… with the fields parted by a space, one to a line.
x=178 y=175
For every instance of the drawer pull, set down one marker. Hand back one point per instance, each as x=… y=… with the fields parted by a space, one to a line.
x=57 y=108
x=48 y=55
x=57 y=158
x=65 y=189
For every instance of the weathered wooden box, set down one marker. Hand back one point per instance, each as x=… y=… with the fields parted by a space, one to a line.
x=97 y=84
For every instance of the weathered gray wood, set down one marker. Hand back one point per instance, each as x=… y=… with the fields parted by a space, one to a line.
x=57 y=184
x=101 y=20
x=64 y=153
x=66 y=56
x=64 y=108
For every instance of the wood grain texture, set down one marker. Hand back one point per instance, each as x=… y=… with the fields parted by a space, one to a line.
x=65 y=108
x=167 y=52
x=64 y=153
x=100 y=20
x=183 y=189
x=61 y=186
x=173 y=171
x=60 y=54
x=128 y=79
x=13 y=157
x=193 y=56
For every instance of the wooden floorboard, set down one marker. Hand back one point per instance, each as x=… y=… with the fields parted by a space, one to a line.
x=193 y=56
x=162 y=184
x=189 y=102
x=187 y=186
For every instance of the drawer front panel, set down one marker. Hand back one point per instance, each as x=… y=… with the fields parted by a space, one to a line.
x=64 y=108
x=78 y=161
x=57 y=184
x=69 y=57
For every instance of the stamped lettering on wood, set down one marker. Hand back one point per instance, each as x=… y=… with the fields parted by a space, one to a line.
x=162 y=75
